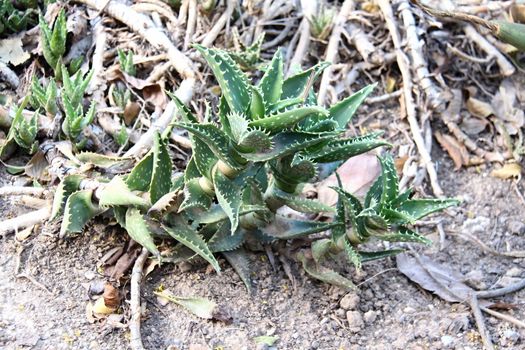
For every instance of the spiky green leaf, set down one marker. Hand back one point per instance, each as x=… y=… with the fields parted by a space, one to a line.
x=139 y=231
x=229 y=196
x=65 y=188
x=343 y=111
x=271 y=83
x=79 y=209
x=286 y=119
x=324 y=274
x=192 y=240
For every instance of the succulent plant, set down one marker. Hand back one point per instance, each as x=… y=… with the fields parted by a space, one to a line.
x=126 y=62
x=16 y=19
x=271 y=138
x=54 y=41
x=22 y=132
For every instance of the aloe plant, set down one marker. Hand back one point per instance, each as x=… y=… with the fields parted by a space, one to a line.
x=22 y=132
x=126 y=62
x=53 y=41
x=44 y=97
x=270 y=138
x=16 y=19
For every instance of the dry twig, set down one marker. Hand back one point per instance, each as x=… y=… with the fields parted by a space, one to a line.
x=136 y=279
x=333 y=47
x=25 y=220
x=403 y=63
x=480 y=322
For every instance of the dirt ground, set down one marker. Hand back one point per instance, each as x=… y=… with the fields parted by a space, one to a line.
x=387 y=312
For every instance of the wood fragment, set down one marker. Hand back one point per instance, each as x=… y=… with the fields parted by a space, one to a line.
x=403 y=63
x=309 y=7
x=419 y=63
x=214 y=32
x=480 y=322
x=333 y=47
x=25 y=220
x=135 y=341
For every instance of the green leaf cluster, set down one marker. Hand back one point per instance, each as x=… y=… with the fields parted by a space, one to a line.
x=269 y=139
x=53 y=40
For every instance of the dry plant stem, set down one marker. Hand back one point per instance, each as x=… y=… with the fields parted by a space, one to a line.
x=480 y=323
x=25 y=220
x=333 y=47
x=383 y=98
x=21 y=190
x=192 y=23
x=33 y=203
x=419 y=64
x=494 y=293
x=100 y=35
x=157 y=38
x=403 y=63
x=504 y=317
x=363 y=45
x=136 y=279
x=145 y=28
x=309 y=7
x=486 y=248
x=504 y=64
x=220 y=24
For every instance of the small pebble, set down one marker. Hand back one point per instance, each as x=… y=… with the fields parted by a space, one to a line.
x=448 y=341
x=516 y=227
x=355 y=320
x=349 y=301
x=89 y=275
x=370 y=316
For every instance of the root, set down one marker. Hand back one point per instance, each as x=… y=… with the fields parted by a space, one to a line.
x=485 y=294
x=135 y=341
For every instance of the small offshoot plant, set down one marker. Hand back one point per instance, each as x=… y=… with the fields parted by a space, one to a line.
x=249 y=160
x=53 y=40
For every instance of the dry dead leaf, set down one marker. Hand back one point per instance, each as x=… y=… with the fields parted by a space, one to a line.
x=517 y=11
x=390 y=84
x=479 y=108
x=100 y=308
x=473 y=126
x=506 y=108
x=456 y=151
x=22 y=235
x=508 y=171
x=37 y=166
x=131 y=111
x=11 y=51
x=357 y=175
x=439 y=279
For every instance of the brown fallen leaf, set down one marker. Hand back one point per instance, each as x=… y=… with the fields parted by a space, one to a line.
x=508 y=171
x=357 y=175
x=479 y=108
x=131 y=112
x=439 y=279
x=506 y=107
x=456 y=151
x=473 y=126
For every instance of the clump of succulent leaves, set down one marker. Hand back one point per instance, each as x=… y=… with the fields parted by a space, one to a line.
x=17 y=16
x=248 y=161
x=53 y=39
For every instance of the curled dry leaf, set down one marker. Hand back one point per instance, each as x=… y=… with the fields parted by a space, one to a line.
x=100 y=308
x=510 y=170
x=357 y=175
x=473 y=126
x=457 y=151
x=506 y=108
x=439 y=279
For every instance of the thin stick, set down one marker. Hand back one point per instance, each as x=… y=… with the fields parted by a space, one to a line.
x=504 y=64
x=308 y=7
x=504 y=317
x=410 y=106
x=383 y=98
x=136 y=277
x=21 y=190
x=333 y=47
x=34 y=281
x=494 y=293
x=192 y=22
x=485 y=247
x=419 y=63
x=480 y=322
x=219 y=25
x=25 y=220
